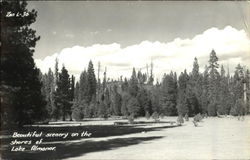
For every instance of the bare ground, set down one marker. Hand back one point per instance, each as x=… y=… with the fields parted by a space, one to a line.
x=214 y=138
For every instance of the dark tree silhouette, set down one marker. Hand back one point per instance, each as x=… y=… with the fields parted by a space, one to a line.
x=19 y=75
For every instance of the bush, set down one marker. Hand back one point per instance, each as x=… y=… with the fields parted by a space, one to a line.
x=198 y=118
x=147 y=115
x=186 y=117
x=155 y=116
x=162 y=115
x=180 y=120
x=131 y=119
x=212 y=109
x=77 y=113
x=238 y=108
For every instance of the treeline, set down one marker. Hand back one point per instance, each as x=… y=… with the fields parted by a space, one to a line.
x=28 y=96
x=213 y=92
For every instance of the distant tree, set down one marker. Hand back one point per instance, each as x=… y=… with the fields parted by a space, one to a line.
x=224 y=94
x=133 y=84
x=72 y=92
x=238 y=83
x=102 y=112
x=107 y=101
x=76 y=92
x=91 y=82
x=247 y=78
x=124 y=107
x=151 y=77
x=204 y=94
x=116 y=101
x=19 y=75
x=83 y=86
x=195 y=89
x=78 y=110
x=182 y=102
x=141 y=79
x=213 y=84
x=63 y=95
x=155 y=99
x=89 y=109
x=239 y=108
x=48 y=89
x=168 y=96
x=125 y=85
x=56 y=72
x=133 y=106
x=144 y=102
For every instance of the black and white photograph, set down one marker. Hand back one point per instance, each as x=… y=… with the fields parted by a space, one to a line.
x=125 y=80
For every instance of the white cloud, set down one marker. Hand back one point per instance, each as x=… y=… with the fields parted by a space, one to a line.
x=109 y=30
x=94 y=33
x=231 y=45
x=69 y=35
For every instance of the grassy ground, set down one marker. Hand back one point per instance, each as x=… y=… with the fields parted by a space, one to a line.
x=102 y=137
x=214 y=138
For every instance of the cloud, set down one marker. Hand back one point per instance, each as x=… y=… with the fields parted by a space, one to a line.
x=231 y=45
x=109 y=30
x=68 y=35
x=94 y=33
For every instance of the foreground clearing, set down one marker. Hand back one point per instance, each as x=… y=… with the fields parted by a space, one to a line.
x=215 y=138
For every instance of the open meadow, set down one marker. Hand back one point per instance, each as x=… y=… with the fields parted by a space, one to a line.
x=213 y=138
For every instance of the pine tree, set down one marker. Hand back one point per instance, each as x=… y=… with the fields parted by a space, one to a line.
x=133 y=106
x=197 y=79
x=194 y=90
x=72 y=92
x=224 y=94
x=247 y=91
x=155 y=99
x=168 y=96
x=48 y=91
x=124 y=107
x=140 y=78
x=116 y=101
x=213 y=84
x=83 y=86
x=125 y=85
x=91 y=83
x=56 y=71
x=102 y=110
x=182 y=103
x=144 y=102
x=238 y=89
x=77 y=112
x=107 y=101
x=63 y=95
x=204 y=95
x=151 y=77
x=19 y=75
x=238 y=82
x=133 y=84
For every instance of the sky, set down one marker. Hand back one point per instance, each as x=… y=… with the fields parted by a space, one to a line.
x=122 y=35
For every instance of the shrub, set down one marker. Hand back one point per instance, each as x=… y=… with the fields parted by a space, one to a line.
x=186 y=117
x=147 y=115
x=198 y=118
x=155 y=116
x=131 y=119
x=162 y=115
x=238 y=108
x=180 y=120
